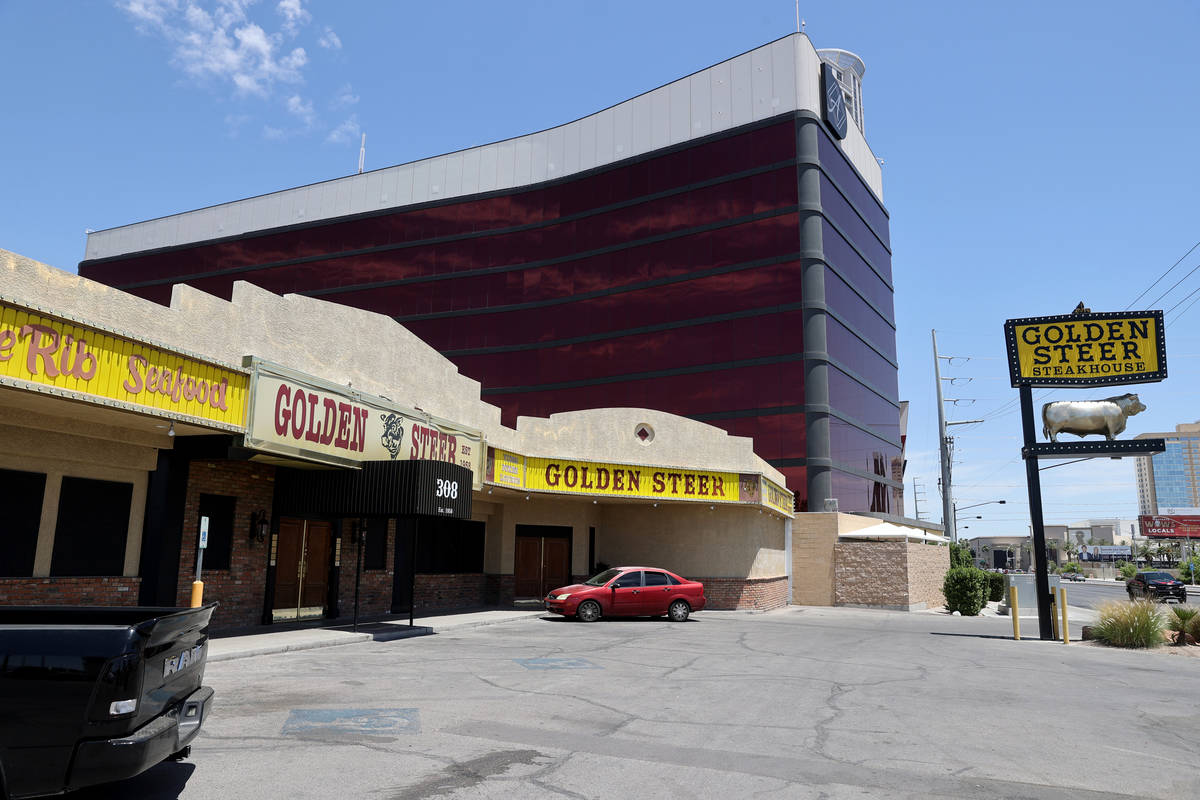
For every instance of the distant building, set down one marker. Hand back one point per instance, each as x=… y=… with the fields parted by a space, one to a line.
x=1169 y=482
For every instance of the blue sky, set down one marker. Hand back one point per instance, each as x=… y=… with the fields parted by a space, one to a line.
x=1035 y=154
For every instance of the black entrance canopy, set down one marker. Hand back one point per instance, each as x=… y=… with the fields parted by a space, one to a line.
x=380 y=488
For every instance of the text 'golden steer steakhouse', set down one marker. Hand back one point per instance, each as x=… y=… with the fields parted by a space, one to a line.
x=1085 y=417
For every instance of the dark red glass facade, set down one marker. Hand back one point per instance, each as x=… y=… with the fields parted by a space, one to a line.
x=670 y=281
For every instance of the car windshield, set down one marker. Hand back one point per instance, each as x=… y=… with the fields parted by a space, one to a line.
x=1157 y=576
x=602 y=578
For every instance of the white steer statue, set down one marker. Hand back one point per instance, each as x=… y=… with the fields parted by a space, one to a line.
x=1085 y=417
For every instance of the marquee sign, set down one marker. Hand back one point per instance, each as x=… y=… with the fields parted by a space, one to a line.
x=304 y=417
x=1170 y=526
x=1086 y=349
x=563 y=476
x=64 y=358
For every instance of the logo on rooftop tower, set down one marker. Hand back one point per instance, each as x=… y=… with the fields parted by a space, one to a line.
x=835 y=102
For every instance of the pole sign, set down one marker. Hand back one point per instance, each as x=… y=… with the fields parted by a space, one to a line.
x=1078 y=350
x=203 y=533
x=1087 y=349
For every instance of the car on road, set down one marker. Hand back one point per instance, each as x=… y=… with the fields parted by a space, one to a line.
x=1073 y=576
x=629 y=592
x=1159 y=586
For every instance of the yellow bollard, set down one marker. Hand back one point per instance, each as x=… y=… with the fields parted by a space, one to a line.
x=1062 y=605
x=1012 y=609
x=197 y=594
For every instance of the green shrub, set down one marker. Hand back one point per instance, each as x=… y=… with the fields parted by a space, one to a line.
x=1181 y=620
x=1127 y=570
x=995 y=586
x=964 y=590
x=1136 y=624
x=1070 y=566
x=960 y=555
x=1186 y=567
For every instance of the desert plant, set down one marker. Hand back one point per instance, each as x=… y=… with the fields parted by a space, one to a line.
x=1193 y=627
x=1136 y=624
x=964 y=590
x=1180 y=620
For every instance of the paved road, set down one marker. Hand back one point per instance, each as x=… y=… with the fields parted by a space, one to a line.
x=1092 y=594
x=801 y=703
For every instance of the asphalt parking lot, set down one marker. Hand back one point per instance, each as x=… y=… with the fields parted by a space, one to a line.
x=798 y=703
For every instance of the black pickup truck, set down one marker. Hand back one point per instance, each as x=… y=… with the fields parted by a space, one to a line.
x=92 y=695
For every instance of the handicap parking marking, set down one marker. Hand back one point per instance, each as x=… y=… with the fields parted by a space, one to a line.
x=372 y=721
x=556 y=663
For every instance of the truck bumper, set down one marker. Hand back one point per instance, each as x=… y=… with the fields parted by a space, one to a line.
x=116 y=759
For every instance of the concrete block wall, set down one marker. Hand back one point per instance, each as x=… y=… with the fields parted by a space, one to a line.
x=868 y=573
x=927 y=566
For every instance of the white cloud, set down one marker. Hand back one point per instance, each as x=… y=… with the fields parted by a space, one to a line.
x=345 y=133
x=293 y=14
x=329 y=40
x=345 y=97
x=301 y=108
x=274 y=134
x=218 y=41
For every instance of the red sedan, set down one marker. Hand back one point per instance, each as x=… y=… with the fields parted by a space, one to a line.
x=629 y=592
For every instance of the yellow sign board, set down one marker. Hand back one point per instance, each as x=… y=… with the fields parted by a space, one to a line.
x=1087 y=349
x=72 y=360
x=562 y=476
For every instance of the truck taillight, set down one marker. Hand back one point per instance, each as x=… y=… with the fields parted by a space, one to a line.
x=118 y=688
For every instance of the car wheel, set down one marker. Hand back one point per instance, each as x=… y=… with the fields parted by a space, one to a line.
x=588 y=611
x=678 y=611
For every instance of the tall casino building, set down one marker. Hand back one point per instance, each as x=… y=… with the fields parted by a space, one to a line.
x=717 y=248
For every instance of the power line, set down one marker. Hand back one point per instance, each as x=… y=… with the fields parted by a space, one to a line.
x=1160 y=277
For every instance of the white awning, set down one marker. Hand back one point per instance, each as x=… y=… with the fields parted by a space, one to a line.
x=886 y=531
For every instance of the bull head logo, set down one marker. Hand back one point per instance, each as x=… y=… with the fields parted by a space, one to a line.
x=393 y=433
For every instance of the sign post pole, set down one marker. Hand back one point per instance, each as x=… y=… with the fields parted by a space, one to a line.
x=202 y=545
x=1041 y=576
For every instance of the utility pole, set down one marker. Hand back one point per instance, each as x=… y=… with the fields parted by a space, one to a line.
x=916 y=499
x=948 y=520
x=943 y=449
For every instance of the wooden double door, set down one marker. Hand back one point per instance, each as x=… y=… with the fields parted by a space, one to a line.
x=302 y=558
x=542 y=559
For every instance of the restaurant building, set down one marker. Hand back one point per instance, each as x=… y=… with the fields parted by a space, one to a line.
x=319 y=466
x=717 y=248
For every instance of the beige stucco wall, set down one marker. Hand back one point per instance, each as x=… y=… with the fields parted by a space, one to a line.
x=374 y=354
x=693 y=541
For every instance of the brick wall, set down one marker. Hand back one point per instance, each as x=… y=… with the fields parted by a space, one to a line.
x=927 y=566
x=499 y=590
x=868 y=573
x=241 y=589
x=97 y=591
x=745 y=593
x=449 y=591
x=375 y=585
